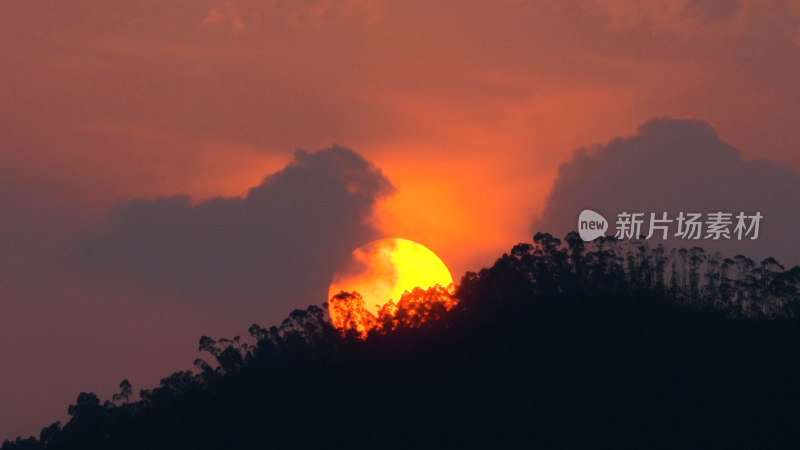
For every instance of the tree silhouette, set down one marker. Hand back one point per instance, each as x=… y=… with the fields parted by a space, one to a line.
x=125 y=392
x=559 y=344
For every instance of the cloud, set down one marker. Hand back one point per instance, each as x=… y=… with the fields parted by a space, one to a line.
x=679 y=165
x=280 y=243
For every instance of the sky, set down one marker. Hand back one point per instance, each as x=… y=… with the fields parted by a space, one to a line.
x=175 y=169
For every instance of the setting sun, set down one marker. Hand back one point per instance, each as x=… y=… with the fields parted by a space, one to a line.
x=382 y=270
x=390 y=283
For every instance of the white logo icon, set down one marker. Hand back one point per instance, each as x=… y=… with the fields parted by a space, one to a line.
x=591 y=225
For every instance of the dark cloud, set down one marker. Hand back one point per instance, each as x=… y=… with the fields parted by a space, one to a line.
x=673 y=166
x=280 y=243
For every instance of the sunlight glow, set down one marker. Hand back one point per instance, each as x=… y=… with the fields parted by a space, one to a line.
x=382 y=270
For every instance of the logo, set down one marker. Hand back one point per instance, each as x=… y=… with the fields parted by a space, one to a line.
x=688 y=226
x=591 y=225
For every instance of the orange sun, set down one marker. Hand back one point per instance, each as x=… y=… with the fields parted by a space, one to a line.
x=384 y=274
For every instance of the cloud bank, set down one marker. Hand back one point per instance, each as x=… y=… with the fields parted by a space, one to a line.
x=679 y=165
x=280 y=243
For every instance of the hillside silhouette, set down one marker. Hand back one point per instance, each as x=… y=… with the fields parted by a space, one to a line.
x=609 y=344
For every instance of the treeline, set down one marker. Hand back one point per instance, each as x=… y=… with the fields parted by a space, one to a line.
x=737 y=286
x=609 y=344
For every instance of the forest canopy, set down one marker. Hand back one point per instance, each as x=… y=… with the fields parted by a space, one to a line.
x=559 y=344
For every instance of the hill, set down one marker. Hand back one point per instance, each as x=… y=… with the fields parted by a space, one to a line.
x=557 y=345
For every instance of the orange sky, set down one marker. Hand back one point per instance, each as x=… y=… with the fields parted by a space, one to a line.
x=467 y=107
x=206 y=97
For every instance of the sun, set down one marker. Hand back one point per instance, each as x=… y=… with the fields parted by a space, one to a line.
x=382 y=270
